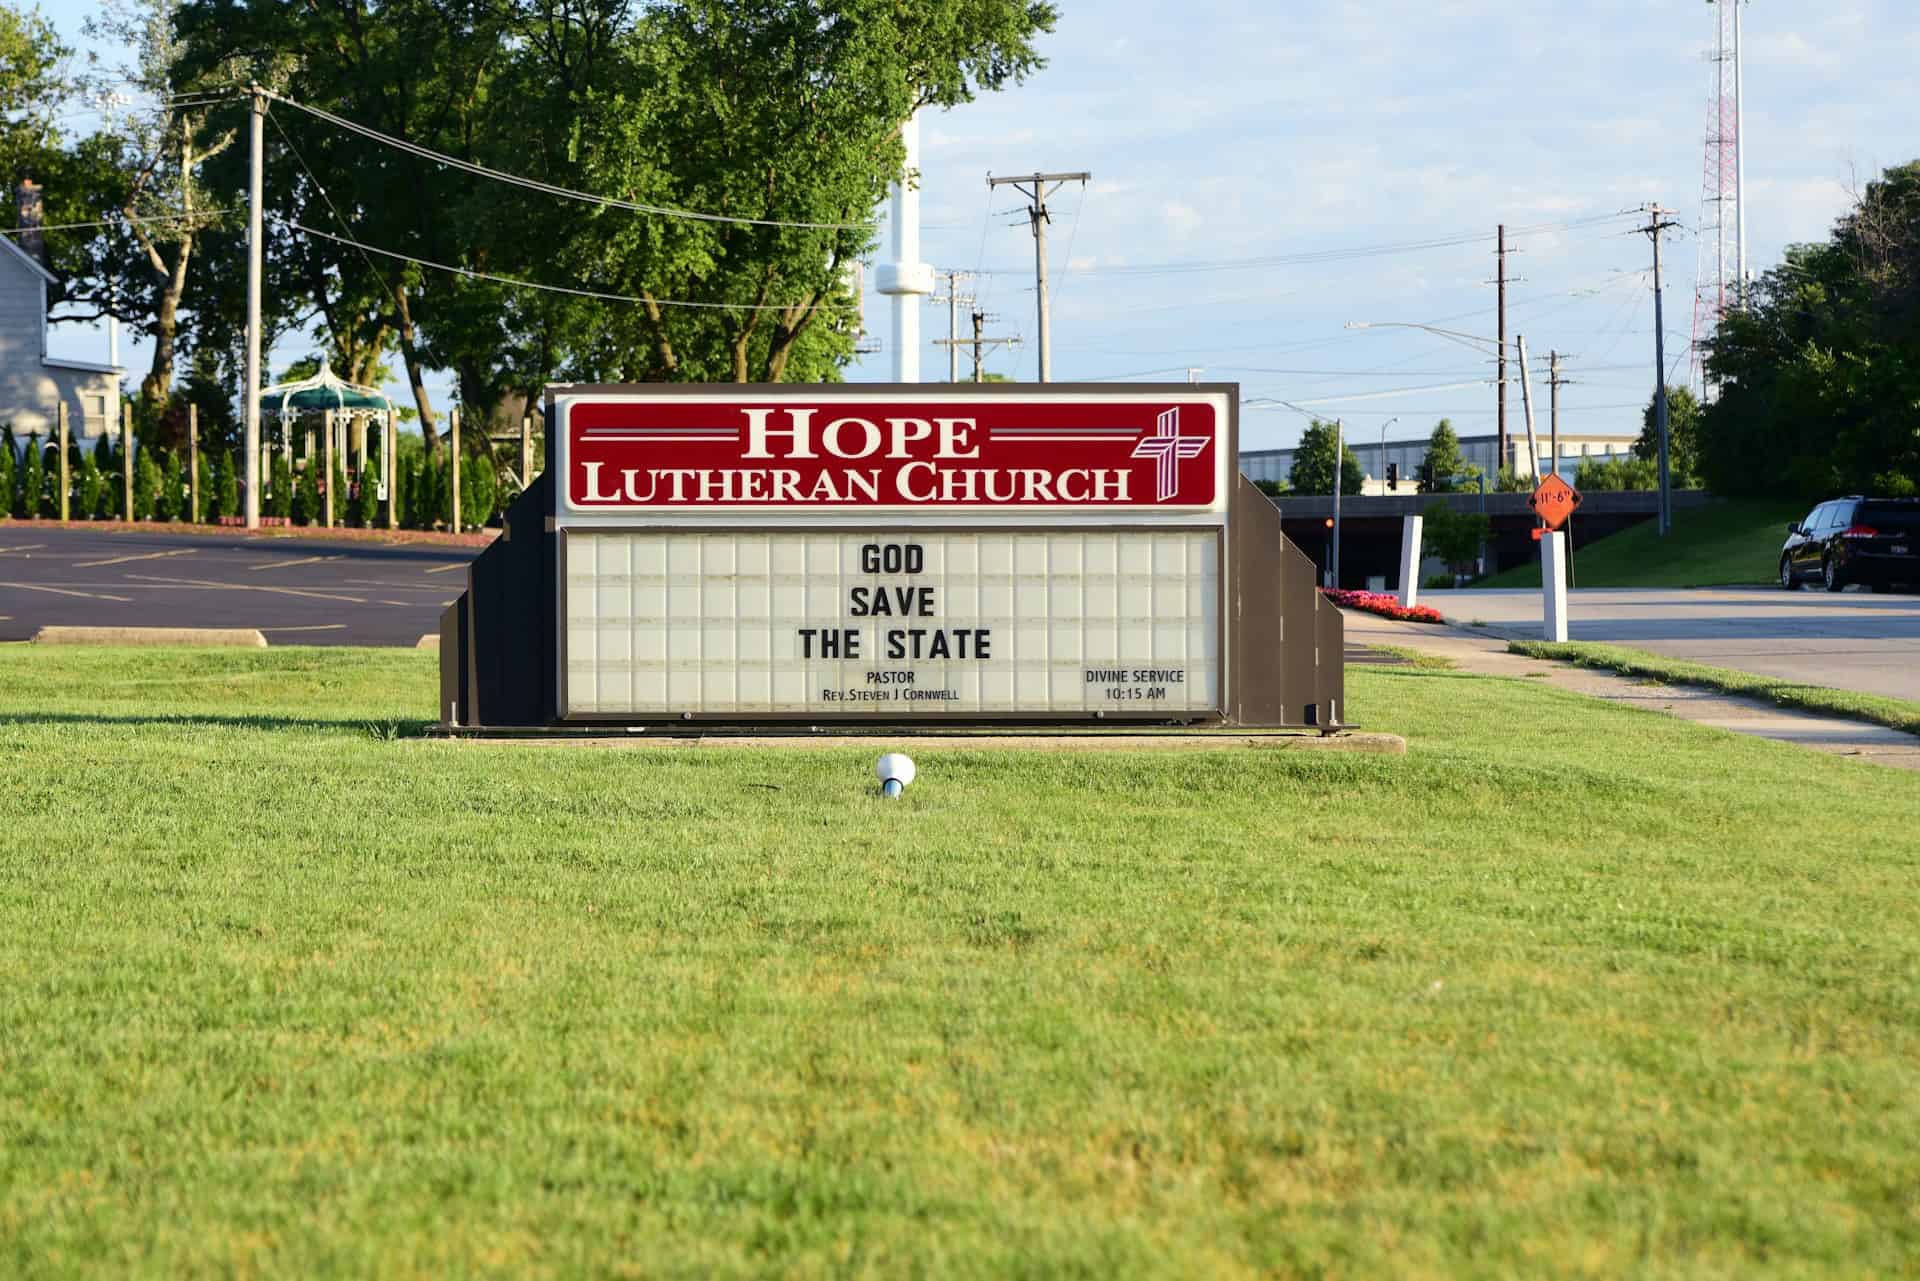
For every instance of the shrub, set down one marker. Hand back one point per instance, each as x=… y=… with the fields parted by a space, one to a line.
x=8 y=466
x=337 y=486
x=306 y=494
x=279 y=495
x=88 y=484
x=106 y=457
x=33 y=481
x=479 y=490
x=366 y=499
x=1605 y=474
x=1382 y=604
x=169 y=500
x=146 y=484
x=226 y=487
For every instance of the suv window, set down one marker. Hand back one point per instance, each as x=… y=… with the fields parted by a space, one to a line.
x=1817 y=522
x=1841 y=515
x=1890 y=516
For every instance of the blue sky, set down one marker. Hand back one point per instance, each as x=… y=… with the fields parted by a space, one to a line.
x=1219 y=132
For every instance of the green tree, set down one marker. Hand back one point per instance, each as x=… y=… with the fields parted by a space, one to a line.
x=1455 y=537
x=1444 y=461
x=1817 y=374
x=337 y=486
x=106 y=457
x=34 y=89
x=783 y=112
x=1313 y=463
x=9 y=470
x=1683 y=436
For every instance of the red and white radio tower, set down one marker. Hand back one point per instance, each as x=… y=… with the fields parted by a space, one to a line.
x=1721 y=279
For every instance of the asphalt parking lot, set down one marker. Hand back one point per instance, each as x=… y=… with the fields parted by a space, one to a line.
x=296 y=591
x=1849 y=640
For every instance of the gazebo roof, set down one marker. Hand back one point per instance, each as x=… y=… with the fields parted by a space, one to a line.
x=325 y=390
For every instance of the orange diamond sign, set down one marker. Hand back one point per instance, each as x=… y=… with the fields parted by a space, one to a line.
x=1554 y=501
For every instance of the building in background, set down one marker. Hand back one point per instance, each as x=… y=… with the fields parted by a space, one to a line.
x=32 y=383
x=1407 y=455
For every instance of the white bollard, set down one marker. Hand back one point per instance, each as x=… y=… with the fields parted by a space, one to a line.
x=1553 y=585
x=1410 y=560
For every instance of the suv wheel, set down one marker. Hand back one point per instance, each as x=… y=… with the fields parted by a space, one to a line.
x=1786 y=572
x=1830 y=574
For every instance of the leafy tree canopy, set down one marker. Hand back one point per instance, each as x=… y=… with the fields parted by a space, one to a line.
x=1313 y=463
x=1818 y=374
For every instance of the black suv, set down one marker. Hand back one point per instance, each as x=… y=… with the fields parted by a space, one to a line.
x=1875 y=541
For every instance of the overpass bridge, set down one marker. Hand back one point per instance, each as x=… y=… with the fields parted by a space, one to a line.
x=1370 y=527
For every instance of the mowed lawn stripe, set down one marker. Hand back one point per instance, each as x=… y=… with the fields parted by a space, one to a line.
x=1569 y=990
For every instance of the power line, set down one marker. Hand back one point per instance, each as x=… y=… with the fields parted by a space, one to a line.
x=529 y=284
x=547 y=188
x=1312 y=256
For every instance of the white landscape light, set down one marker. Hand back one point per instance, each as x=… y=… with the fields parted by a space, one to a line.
x=895 y=771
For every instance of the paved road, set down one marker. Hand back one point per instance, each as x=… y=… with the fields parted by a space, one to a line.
x=1850 y=640
x=296 y=591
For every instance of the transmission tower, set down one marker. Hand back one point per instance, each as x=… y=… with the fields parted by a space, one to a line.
x=1720 y=278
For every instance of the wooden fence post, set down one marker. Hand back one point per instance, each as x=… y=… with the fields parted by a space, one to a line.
x=126 y=460
x=456 y=468
x=526 y=451
x=193 y=463
x=66 y=481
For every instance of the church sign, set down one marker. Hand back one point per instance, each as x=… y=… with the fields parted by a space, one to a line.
x=904 y=555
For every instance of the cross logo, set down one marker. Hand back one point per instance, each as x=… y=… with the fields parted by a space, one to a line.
x=1167 y=446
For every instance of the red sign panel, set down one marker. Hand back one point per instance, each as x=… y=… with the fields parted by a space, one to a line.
x=799 y=453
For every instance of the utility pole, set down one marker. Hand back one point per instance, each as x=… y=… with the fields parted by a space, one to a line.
x=1036 y=189
x=256 y=145
x=1653 y=229
x=953 y=298
x=1526 y=403
x=1500 y=383
x=1339 y=457
x=978 y=343
x=1554 y=383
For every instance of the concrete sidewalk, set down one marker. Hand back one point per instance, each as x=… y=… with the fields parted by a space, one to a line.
x=1485 y=653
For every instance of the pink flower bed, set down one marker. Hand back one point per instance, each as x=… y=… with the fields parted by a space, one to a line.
x=1382 y=604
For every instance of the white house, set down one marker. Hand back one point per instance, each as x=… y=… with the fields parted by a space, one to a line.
x=32 y=383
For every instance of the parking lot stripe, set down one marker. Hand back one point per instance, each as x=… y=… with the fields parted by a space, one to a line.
x=24 y=547
x=247 y=587
x=446 y=569
x=63 y=591
x=121 y=560
x=309 y=627
x=304 y=560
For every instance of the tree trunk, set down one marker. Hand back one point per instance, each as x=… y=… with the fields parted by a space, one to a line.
x=416 y=376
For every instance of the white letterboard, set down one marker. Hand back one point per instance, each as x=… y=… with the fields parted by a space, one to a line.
x=891 y=624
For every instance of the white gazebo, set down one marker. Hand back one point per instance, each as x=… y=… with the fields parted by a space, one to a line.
x=349 y=410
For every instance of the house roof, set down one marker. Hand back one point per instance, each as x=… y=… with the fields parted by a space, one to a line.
x=14 y=247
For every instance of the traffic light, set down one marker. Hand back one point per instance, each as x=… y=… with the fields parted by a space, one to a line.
x=1393 y=475
x=1426 y=477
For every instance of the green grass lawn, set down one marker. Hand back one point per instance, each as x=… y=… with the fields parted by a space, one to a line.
x=1727 y=543
x=1877 y=709
x=1569 y=990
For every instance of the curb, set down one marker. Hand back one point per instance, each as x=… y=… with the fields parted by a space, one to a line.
x=236 y=636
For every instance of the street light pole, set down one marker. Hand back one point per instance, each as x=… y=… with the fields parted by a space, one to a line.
x=1339 y=454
